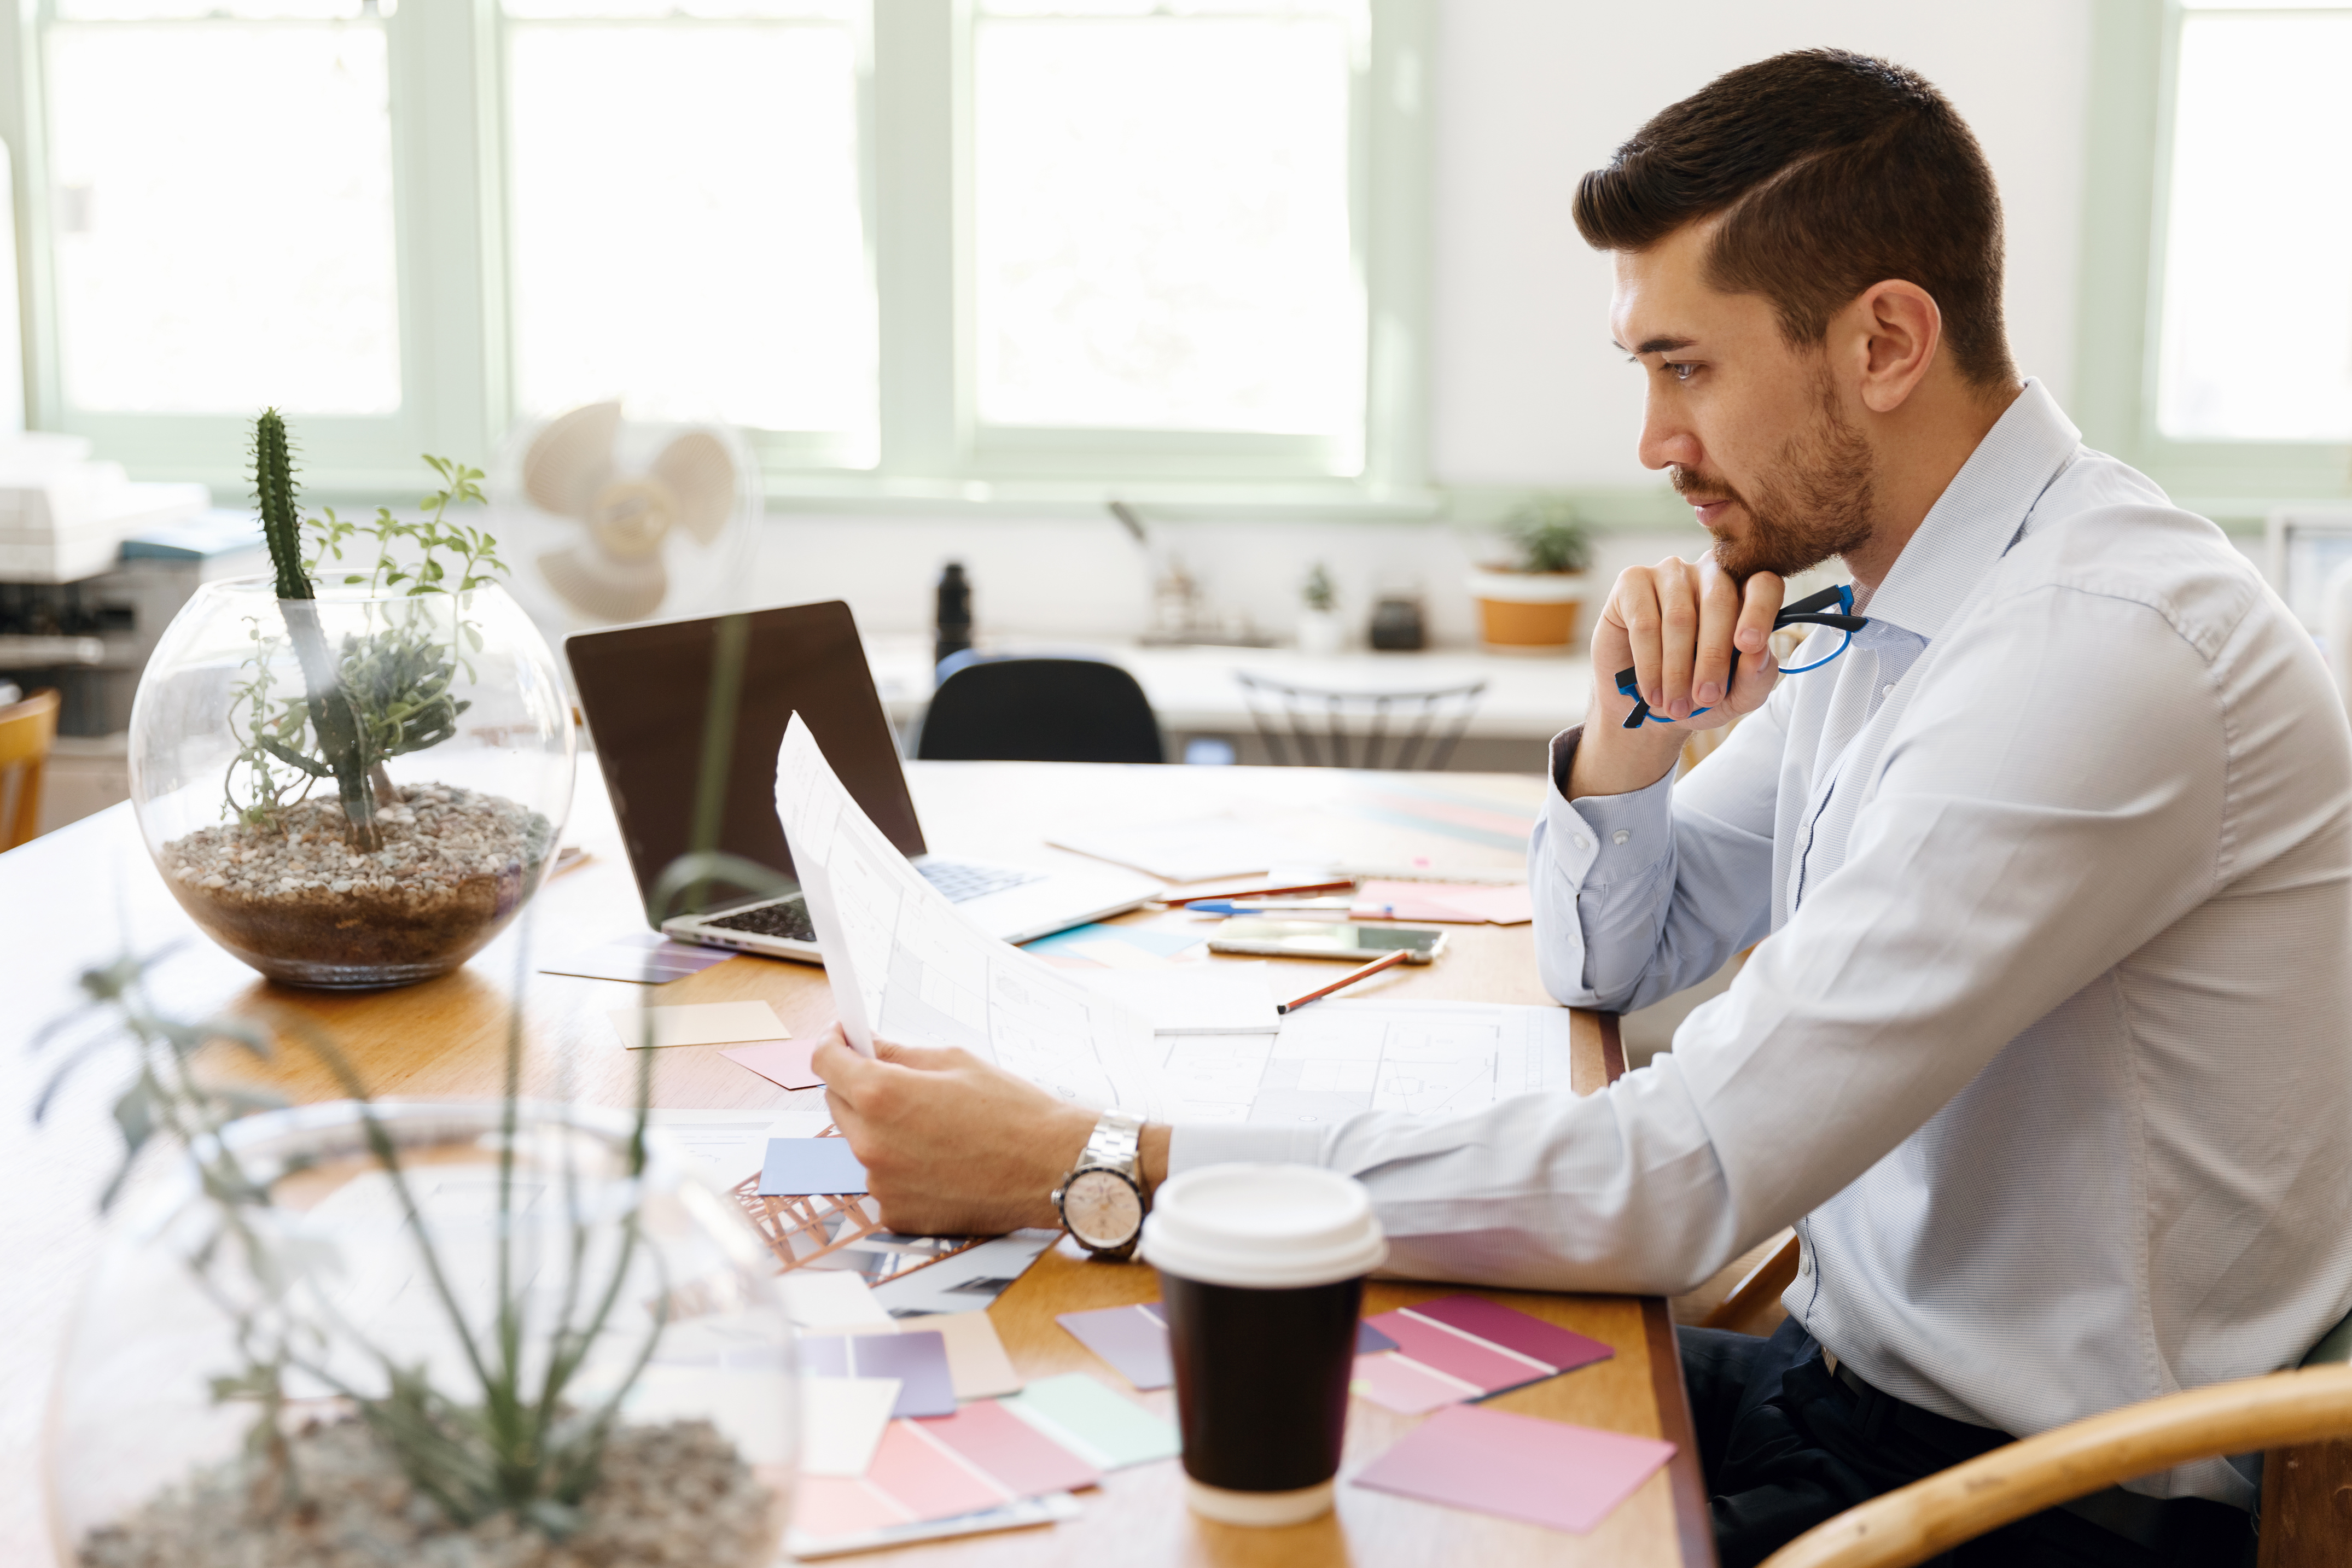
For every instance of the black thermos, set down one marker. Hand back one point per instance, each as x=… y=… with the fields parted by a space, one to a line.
x=955 y=612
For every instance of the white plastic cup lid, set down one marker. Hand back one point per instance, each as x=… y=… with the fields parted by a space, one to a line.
x=1263 y=1227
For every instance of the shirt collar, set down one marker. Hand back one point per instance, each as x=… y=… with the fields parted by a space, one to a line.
x=1973 y=522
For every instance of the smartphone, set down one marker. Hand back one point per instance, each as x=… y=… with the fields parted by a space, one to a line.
x=1322 y=939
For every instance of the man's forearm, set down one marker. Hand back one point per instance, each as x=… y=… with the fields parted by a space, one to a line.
x=1612 y=760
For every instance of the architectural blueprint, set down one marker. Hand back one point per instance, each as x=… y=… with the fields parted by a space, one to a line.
x=903 y=965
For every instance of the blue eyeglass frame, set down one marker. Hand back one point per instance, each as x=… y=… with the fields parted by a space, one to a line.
x=1812 y=610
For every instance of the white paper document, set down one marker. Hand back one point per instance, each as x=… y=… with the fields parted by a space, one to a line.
x=904 y=965
x=1195 y=850
x=1333 y=1059
x=1216 y=997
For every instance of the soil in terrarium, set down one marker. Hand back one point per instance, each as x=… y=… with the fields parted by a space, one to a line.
x=455 y=863
x=671 y=1496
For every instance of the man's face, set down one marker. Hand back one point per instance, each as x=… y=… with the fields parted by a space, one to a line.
x=1748 y=427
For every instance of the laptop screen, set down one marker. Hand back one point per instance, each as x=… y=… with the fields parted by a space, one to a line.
x=646 y=691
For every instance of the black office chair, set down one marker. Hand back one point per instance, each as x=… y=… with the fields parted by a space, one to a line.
x=1009 y=708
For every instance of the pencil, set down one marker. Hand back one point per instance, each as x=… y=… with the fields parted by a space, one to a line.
x=1336 y=886
x=1386 y=960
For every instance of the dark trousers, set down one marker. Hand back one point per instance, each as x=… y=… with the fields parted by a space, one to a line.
x=1785 y=1446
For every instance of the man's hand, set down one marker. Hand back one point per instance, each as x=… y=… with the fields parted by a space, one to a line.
x=1676 y=623
x=953 y=1146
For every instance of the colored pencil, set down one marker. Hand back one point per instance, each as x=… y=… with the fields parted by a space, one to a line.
x=1385 y=961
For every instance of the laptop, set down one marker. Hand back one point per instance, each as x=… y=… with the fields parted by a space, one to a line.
x=644 y=690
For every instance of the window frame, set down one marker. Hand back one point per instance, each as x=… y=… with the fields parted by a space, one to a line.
x=2135 y=76
x=450 y=170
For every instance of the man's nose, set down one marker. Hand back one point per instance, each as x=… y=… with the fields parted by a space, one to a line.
x=1666 y=438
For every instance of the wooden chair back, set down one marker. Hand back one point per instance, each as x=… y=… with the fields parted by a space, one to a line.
x=27 y=730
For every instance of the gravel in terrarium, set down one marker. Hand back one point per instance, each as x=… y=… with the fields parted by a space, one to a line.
x=670 y=1496
x=454 y=863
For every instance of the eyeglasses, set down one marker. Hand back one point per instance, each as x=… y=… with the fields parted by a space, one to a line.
x=1814 y=611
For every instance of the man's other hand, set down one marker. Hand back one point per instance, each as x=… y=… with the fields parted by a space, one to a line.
x=953 y=1146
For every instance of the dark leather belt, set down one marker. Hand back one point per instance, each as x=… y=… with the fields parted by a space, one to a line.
x=2145 y=1521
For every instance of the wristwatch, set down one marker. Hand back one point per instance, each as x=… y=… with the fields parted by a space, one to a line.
x=1102 y=1201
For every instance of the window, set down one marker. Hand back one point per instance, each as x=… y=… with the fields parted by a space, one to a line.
x=918 y=249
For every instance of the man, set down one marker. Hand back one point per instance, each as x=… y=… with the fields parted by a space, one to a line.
x=2044 y=1057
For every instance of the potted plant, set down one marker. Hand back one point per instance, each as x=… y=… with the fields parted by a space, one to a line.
x=354 y=775
x=1321 y=632
x=489 y=1334
x=1529 y=603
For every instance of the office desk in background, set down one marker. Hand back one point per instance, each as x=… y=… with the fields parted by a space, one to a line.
x=1530 y=698
x=66 y=901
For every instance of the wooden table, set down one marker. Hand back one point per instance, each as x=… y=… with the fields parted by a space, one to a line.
x=69 y=900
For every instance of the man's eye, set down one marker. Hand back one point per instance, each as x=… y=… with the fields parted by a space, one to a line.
x=1680 y=372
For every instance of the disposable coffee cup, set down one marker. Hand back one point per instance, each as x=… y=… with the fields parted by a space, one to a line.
x=1260 y=1278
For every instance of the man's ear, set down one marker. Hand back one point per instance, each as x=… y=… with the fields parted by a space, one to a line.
x=1894 y=329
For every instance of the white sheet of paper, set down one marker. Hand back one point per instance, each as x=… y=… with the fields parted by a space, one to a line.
x=1215 y=997
x=903 y=963
x=732 y=1145
x=753 y=1408
x=699 y=1023
x=831 y=1299
x=1182 y=852
x=842 y=1420
x=1335 y=1058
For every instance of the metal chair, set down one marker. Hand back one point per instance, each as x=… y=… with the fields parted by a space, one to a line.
x=27 y=730
x=1317 y=723
x=1011 y=708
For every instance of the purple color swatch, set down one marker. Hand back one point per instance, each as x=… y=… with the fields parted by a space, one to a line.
x=1132 y=1339
x=1370 y=1341
x=1556 y=1347
x=811 y=1167
x=919 y=1361
x=1490 y=1461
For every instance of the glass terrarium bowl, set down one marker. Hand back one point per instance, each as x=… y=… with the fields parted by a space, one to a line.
x=356 y=791
x=147 y=1463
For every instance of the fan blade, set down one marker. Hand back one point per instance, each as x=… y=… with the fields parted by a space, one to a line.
x=570 y=458
x=608 y=590
x=701 y=475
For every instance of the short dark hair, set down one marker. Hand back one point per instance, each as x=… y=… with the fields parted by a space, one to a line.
x=1833 y=171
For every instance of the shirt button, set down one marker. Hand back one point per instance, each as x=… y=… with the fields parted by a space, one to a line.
x=1620 y=836
x=1886 y=691
x=1581 y=842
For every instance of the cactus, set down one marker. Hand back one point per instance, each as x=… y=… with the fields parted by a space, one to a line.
x=332 y=718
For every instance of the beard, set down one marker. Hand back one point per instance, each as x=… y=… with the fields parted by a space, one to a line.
x=1814 y=502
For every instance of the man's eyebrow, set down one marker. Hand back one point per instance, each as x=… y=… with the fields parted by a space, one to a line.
x=1654 y=345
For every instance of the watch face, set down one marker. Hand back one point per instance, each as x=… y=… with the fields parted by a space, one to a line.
x=1101 y=1208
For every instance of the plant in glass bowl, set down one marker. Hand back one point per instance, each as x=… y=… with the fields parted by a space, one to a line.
x=479 y=1334
x=356 y=783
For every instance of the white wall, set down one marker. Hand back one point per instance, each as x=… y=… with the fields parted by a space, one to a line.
x=1529 y=95
x=1532 y=93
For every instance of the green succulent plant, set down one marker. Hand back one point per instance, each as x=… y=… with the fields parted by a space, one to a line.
x=1548 y=535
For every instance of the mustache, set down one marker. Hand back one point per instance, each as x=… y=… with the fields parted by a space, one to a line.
x=1693 y=481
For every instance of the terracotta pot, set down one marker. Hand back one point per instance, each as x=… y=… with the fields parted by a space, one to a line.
x=1528 y=610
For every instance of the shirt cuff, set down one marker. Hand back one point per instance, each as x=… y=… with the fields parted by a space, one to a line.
x=1602 y=840
x=1196 y=1144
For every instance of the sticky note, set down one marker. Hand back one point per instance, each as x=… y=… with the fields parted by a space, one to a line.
x=1132 y=1339
x=698 y=1023
x=1090 y=1420
x=1021 y=1457
x=1491 y=1461
x=976 y=1358
x=917 y=1360
x=835 y=1299
x=806 y=1167
x=843 y=1420
x=780 y=1061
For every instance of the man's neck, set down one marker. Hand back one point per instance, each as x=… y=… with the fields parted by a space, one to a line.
x=1921 y=448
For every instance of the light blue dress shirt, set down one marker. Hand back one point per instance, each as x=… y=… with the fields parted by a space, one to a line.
x=2048 y=1053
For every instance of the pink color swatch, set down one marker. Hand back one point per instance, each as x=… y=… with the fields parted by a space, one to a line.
x=1442 y=902
x=1406 y=1386
x=1490 y=1461
x=926 y=1478
x=1022 y=1460
x=784 y=1062
x=1455 y=1356
x=1556 y=1347
x=841 y=1505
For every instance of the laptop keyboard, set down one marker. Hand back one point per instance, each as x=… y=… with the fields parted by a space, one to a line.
x=787 y=918
x=963 y=883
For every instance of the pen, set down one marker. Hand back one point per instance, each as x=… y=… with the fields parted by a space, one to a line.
x=1343 y=884
x=1386 y=960
x=1317 y=906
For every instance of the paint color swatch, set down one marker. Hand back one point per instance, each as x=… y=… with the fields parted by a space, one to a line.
x=811 y=1167
x=642 y=957
x=1491 y=1461
x=916 y=1359
x=698 y=1023
x=780 y=1061
x=976 y=1359
x=1098 y=1425
x=1018 y=1456
x=1467 y=1344
x=843 y=1421
x=1406 y=1386
x=1132 y=1339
